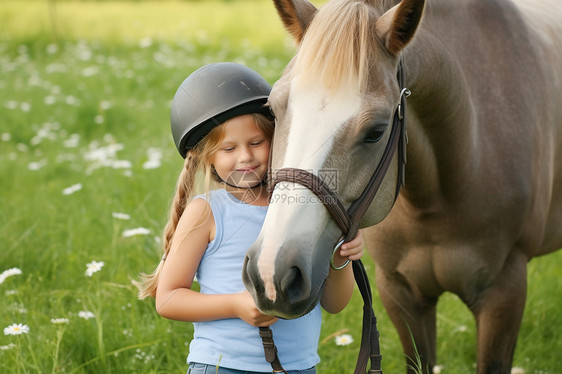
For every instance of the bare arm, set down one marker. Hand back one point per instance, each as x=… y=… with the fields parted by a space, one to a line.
x=340 y=283
x=174 y=297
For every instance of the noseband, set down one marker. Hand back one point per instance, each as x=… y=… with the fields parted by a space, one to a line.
x=348 y=221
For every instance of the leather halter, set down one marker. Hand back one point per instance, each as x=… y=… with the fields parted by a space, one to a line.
x=348 y=222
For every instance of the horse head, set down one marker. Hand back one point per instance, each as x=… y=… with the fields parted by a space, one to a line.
x=334 y=106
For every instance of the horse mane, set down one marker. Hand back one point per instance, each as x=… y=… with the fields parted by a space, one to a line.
x=336 y=46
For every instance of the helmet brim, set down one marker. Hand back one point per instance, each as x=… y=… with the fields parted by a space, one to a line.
x=195 y=135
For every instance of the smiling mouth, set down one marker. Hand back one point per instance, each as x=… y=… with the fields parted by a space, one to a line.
x=247 y=170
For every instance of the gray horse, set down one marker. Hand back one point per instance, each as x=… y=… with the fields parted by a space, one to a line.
x=483 y=179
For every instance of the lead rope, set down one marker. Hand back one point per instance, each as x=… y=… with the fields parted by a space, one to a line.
x=370 y=347
x=270 y=350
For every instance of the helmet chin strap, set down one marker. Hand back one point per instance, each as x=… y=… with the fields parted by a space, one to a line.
x=220 y=180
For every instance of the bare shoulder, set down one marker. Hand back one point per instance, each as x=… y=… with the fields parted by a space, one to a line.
x=197 y=218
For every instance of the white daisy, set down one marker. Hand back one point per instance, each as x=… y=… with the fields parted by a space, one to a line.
x=136 y=231
x=344 y=339
x=517 y=370
x=36 y=165
x=86 y=314
x=59 y=321
x=72 y=189
x=16 y=329
x=93 y=267
x=8 y=273
x=437 y=369
x=123 y=216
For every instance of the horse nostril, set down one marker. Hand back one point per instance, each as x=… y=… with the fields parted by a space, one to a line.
x=295 y=286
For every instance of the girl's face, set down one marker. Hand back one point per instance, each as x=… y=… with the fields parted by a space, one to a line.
x=243 y=155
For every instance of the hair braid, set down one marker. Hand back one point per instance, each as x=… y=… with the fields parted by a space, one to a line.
x=184 y=187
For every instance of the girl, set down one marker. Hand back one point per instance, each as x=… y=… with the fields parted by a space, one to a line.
x=221 y=126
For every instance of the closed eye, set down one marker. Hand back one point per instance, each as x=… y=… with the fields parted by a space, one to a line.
x=375 y=134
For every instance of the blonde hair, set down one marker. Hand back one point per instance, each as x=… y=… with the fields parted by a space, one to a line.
x=336 y=46
x=198 y=159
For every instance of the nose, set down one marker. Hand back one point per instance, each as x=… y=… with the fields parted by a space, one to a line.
x=286 y=291
x=246 y=154
x=296 y=286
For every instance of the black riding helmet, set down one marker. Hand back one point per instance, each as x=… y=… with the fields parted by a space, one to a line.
x=212 y=95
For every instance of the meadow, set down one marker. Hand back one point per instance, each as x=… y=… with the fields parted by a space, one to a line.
x=87 y=171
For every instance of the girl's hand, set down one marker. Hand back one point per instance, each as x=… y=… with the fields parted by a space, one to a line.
x=247 y=311
x=353 y=249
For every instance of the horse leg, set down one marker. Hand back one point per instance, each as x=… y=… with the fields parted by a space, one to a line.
x=415 y=322
x=498 y=312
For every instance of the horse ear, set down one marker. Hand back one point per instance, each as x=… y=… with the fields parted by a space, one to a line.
x=398 y=25
x=296 y=16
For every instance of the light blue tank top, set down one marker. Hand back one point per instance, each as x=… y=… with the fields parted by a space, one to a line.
x=232 y=343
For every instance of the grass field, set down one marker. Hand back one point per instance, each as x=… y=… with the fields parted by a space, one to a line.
x=87 y=169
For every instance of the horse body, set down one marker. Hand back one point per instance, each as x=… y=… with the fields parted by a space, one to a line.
x=483 y=191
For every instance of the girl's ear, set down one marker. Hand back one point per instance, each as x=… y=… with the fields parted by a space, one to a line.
x=295 y=15
x=398 y=25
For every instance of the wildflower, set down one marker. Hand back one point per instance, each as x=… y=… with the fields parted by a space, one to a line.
x=72 y=141
x=105 y=104
x=72 y=189
x=344 y=339
x=6 y=136
x=49 y=100
x=136 y=231
x=154 y=159
x=437 y=369
x=145 y=42
x=6 y=347
x=11 y=104
x=151 y=164
x=123 y=216
x=93 y=267
x=8 y=273
x=461 y=328
x=16 y=329
x=52 y=48
x=59 y=321
x=120 y=164
x=36 y=165
x=86 y=314
x=90 y=71
x=71 y=100
x=517 y=370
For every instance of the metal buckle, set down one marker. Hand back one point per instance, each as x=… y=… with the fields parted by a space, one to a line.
x=403 y=94
x=332 y=265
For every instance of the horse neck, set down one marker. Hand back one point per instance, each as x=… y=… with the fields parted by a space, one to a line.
x=440 y=124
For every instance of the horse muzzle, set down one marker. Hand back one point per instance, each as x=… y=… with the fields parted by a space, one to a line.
x=288 y=287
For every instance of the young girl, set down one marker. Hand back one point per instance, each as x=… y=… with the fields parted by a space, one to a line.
x=221 y=126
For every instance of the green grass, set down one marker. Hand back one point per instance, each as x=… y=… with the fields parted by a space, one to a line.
x=99 y=76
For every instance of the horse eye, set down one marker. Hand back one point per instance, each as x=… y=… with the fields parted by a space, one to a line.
x=374 y=135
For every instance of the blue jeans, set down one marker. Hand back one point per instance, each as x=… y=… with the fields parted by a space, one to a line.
x=196 y=368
